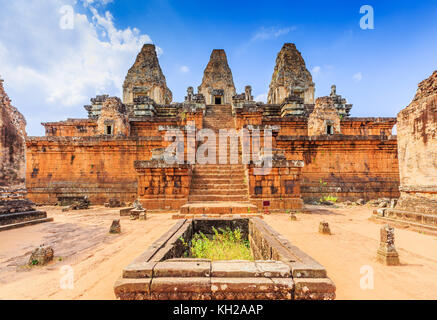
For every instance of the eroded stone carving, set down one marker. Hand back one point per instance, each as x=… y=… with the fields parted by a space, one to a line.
x=12 y=144
x=41 y=256
x=218 y=84
x=324 y=119
x=290 y=77
x=15 y=209
x=417 y=150
x=113 y=119
x=387 y=253
x=95 y=108
x=324 y=228
x=115 y=227
x=340 y=103
x=145 y=78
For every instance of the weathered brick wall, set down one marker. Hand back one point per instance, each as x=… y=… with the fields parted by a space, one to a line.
x=279 y=185
x=346 y=167
x=71 y=128
x=100 y=167
x=162 y=186
x=152 y=127
x=367 y=126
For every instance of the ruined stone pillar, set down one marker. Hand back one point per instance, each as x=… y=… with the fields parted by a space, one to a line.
x=12 y=146
x=417 y=152
x=387 y=253
x=15 y=209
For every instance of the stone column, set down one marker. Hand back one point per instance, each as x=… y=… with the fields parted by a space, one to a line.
x=417 y=151
x=387 y=253
x=15 y=209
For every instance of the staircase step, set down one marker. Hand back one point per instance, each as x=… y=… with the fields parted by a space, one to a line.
x=217 y=198
x=219 y=171
x=205 y=186
x=219 y=208
x=217 y=181
x=219 y=167
x=219 y=175
x=223 y=190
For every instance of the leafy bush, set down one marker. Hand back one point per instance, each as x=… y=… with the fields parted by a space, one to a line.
x=223 y=245
x=329 y=198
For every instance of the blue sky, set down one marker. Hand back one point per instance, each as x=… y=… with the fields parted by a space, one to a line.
x=50 y=73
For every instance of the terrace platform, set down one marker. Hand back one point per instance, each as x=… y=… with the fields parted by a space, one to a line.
x=219 y=207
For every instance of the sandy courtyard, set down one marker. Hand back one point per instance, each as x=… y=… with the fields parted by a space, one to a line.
x=81 y=240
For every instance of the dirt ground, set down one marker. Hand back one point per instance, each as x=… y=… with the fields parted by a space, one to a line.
x=81 y=240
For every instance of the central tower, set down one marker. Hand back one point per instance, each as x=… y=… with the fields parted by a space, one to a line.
x=217 y=83
x=291 y=78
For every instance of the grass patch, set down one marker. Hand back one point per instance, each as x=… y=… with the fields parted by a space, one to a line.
x=224 y=244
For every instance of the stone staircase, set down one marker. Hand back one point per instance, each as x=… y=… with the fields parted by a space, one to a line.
x=219 y=188
x=218 y=183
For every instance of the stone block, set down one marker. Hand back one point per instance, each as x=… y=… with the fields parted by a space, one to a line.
x=181 y=285
x=251 y=288
x=387 y=253
x=192 y=268
x=273 y=269
x=139 y=270
x=132 y=289
x=41 y=256
x=234 y=269
x=314 y=289
x=115 y=227
x=324 y=228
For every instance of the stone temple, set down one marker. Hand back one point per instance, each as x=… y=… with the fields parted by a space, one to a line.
x=318 y=148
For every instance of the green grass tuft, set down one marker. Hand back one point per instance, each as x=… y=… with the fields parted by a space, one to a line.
x=223 y=245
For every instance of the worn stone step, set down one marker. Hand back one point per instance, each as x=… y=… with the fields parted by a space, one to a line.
x=219 y=208
x=217 y=181
x=219 y=166
x=217 y=198
x=213 y=176
x=218 y=186
x=202 y=191
x=219 y=175
x=219 y=171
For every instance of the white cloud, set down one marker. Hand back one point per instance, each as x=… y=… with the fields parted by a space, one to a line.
x=316 y=71
x=357 y=77
x=184 y=69
x=271 y=33
x=103 y=2
x=51 y=70
x=261 y=97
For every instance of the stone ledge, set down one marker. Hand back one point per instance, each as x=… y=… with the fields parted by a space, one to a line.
x=21 y=217
x=337 y=137
x=24 y=224
x=96 y=138
x=301 y=264
x=314 y=289
x=419 y=189
x=158 y=164
x=132 y=289
x=183 y=269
